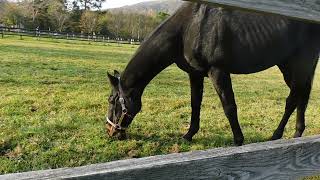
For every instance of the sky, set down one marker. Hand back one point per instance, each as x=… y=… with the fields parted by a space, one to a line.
x=118 y=3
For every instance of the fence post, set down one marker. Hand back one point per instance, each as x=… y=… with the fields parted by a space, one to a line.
x=118 y=41
x=38 y=34
x=19 y=33
x=2 y=33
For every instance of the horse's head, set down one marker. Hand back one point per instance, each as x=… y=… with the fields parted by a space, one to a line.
x=123 y=106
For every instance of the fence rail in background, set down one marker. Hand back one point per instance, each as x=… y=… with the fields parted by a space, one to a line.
x=282 y=159
x=7 y=31
x=308 y=10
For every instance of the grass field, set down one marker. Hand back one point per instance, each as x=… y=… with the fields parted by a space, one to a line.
x=54 y=97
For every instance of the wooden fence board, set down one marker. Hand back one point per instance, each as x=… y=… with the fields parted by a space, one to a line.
x=283 y=159
x=308 y=10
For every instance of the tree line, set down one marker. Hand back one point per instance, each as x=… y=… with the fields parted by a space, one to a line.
x=78 y=16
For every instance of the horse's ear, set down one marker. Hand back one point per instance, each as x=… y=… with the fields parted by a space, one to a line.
x=116 y=74
x=113 y=80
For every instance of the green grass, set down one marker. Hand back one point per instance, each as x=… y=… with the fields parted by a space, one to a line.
x=312 y=178
x=53 y=98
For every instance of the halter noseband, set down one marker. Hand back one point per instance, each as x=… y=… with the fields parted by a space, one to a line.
x=124 y=111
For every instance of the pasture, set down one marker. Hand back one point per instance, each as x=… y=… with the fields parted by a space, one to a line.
x=54 y=98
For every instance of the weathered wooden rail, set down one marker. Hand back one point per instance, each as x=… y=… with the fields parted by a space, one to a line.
x=283 y=159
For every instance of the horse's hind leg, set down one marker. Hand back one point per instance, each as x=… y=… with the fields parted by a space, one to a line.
x=291 y=102
x=301 y=108
x=304 y=73
x=196 y=83
x=302 y=79
x=298 y=74
x=222 y=83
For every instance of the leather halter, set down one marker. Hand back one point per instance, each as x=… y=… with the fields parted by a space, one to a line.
x=124 y=111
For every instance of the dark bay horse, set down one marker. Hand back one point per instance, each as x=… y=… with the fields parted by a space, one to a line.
x=207 y=41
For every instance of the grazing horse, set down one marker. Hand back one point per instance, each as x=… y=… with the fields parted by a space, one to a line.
x=213 y=42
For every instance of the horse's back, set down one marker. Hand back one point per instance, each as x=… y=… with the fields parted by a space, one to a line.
x=241 y=42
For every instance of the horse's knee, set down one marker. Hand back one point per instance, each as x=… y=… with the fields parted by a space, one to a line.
x=291 y=101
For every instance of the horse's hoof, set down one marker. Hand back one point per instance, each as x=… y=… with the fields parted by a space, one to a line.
x=239 y=141
x=273 y=138
x=276 y=137
x=187 y=138
x=297 y=135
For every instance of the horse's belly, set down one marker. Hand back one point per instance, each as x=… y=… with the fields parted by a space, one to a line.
x=245 y=60
x=239 y=67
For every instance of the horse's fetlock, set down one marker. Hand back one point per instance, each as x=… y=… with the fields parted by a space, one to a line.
x=188 y=137
x=299 y=130
x=194 y=129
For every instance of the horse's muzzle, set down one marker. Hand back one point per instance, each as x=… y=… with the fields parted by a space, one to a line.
x=115 y=133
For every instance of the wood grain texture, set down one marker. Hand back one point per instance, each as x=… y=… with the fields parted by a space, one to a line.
x=308 y=10
x=283 y=159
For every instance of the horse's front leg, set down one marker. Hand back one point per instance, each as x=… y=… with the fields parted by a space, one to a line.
x=222 y=83
x=196 y=83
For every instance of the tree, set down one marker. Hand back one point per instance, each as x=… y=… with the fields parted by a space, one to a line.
x=128 y=25
x=35 y=11
x=103 y=23
x=2 y=5
x=58 y=14
x=35 y=7
x=88 y=4
x=74 y=20
x=11 y=14
x=89 y=22
x=55 y=15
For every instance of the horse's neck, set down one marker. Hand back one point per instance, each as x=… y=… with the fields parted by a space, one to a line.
x=153 y=56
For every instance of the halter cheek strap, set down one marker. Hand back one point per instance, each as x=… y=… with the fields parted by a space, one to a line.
x=116 y=126
x=124 y=111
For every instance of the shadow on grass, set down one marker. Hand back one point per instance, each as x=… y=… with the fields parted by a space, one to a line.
x=215 y=140
x=7 y=146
